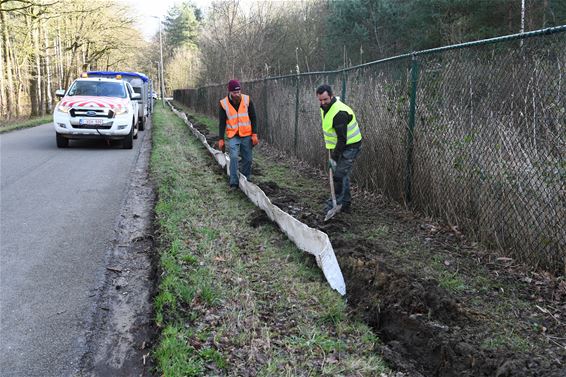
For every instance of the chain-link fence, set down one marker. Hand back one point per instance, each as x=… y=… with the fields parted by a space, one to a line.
x=473 y=133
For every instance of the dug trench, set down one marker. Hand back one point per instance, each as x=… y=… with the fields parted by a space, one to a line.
x=442 y=305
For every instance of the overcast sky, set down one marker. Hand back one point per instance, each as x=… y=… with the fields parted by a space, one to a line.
x=145 y=9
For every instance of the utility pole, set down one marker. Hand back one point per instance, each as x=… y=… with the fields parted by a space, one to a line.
x=161 y=64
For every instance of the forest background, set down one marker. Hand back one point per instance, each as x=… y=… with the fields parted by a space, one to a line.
x=45 y=44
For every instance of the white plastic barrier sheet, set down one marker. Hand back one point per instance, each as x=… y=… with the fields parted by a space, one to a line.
x=308 y=239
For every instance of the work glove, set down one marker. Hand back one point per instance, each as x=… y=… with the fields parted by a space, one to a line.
x=332 y=165
x=221 y=145
x=255 y=140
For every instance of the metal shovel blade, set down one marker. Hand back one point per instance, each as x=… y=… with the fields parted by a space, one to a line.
x=333 y=211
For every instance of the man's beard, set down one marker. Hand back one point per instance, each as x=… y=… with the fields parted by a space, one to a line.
x=236 y=100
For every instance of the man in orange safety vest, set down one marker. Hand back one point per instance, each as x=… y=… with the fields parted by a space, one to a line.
x=237 y=121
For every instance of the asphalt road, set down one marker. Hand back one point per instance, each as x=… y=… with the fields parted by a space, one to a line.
x=58 y=212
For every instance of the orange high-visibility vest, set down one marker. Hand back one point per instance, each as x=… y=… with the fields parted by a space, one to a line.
x=237 y=122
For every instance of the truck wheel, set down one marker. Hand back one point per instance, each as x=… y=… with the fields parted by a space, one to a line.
x=142 y=124
x=128 y=141
x=62 y=142
x=135 y=127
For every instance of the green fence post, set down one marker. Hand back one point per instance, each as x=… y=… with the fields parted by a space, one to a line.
x=296 y=114
x=265 y=117
x=411 y=128
x=343 y=98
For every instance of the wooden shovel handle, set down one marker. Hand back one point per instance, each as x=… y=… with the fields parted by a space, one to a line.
x=331 y=178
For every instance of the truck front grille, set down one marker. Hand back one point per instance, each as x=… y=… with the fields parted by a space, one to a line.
x=98 y=113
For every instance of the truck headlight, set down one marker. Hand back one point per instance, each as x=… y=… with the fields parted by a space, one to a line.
x=120 y=110
x=63 y=109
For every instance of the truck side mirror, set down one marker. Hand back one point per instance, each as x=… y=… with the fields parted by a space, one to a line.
x=60 y=93
x=136 y=96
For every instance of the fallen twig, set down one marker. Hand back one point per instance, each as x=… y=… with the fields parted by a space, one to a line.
x=555 y=342
x=546 y=311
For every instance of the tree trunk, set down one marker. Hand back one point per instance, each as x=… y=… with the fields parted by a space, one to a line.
x=9 y=73
x=19 y=86
x=3 y=107
x=34 y=79
x=38 y=59
x=48 y=98
x=59 y=55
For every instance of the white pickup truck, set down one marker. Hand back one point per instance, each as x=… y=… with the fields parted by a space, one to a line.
x=97 y=108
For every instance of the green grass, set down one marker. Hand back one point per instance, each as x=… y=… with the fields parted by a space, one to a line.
x=489 y=297
x=312 y=340
x=176 y=357
x=447 y=279
x=19 y=124
x=233 y=297
x=451 y=281
x=378 y=232
x=211 y=124
x=510 y=341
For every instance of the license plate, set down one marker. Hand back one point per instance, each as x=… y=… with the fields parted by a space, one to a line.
x=92 y=122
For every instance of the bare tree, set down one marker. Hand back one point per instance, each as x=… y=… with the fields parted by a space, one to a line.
x=46 y=42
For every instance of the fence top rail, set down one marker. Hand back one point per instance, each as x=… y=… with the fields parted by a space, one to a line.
x=505 y=38
x=414 y=54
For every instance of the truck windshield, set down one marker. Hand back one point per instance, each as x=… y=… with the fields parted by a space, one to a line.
x=97 y=88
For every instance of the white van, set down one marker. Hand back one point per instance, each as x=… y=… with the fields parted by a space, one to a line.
x=97 y=108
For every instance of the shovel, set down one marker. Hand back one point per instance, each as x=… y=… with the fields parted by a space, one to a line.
x=335 y=208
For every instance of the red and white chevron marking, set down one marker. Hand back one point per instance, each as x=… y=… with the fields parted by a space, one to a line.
x=94 y=102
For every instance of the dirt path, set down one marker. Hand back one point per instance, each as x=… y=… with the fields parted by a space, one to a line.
x=442 y=305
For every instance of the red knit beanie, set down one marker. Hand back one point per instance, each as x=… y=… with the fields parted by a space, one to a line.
x=233 y=85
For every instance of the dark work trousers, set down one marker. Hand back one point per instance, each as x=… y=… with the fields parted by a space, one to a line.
x=240 y=146
x=342 y=177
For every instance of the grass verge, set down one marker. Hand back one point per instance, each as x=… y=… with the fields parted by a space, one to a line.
x=19 y=124
x=236 y=297
x=513 y=310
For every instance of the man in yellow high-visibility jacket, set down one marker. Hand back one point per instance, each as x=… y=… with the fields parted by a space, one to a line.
x=343 y=138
